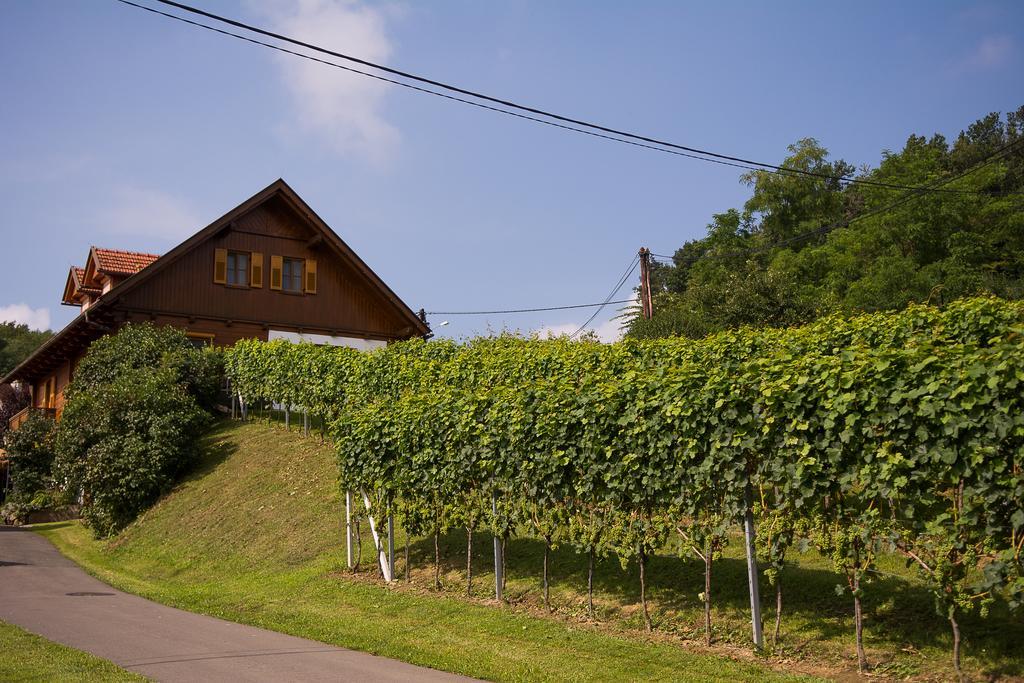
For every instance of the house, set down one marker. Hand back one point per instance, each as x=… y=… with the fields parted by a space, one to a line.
x=268 y=269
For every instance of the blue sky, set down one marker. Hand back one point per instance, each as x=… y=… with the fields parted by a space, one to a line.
x=127 y=130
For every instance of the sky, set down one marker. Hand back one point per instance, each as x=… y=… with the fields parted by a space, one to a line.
x=124 y=129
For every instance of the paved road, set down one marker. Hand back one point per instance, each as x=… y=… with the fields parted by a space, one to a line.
x=45 y=593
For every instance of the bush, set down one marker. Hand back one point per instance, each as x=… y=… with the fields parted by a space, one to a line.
x=31 y=451
x=137 y=347
x=132 y=421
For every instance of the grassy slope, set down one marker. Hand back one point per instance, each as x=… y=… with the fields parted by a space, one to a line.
x=28 y=657
x=255 y=536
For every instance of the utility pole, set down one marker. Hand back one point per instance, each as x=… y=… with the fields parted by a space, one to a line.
x=422 y=315
x=646 y=300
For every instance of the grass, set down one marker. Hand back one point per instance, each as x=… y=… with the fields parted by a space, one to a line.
x=28 y=657
x=256 y=535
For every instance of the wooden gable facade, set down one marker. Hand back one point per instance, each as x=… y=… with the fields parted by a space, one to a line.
x=270 y=268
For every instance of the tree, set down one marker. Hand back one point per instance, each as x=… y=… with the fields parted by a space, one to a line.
x=17 y=341
x=30 y=449
x=789 y=255
x=132 y=420
x=13 y=399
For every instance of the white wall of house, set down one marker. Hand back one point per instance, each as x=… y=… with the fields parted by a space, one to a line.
x=351 y=342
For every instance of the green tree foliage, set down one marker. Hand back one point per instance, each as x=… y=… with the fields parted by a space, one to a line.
x=131 y=423
x=886 y=430
x=13 y=399
x=935 y=247
x=30 y=450
x=16 y=343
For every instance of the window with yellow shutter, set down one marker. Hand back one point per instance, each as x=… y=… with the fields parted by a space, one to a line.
x=275 y=272
x=256 y=280
x=220 y=266
x=292 y=275
x=238 y=268
x=310 y=276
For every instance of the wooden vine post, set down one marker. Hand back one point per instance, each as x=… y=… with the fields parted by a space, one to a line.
x=382 y=554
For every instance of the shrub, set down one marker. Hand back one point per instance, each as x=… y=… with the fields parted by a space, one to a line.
x=137 y=347
x=31 y=450
x=132 y=420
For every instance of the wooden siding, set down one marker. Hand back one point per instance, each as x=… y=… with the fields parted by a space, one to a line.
x=223 y=333
x=58 y=381
x=345 y=303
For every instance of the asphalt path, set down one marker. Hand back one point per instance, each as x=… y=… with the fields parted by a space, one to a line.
x=45 y=593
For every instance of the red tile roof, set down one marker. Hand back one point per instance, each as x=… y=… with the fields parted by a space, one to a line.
x=119 y=262
x=80 y=283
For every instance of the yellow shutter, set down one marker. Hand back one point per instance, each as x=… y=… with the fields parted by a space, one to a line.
x=311 y=276
x=256 y=276
x=220 y=266
x=276 y=266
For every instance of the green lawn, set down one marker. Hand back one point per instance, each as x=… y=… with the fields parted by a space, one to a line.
x=25 y=656
x=256 y=536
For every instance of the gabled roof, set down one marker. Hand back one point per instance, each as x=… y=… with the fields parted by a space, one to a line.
x=111 y=262
x=114 y=263
x=75 y=286
x=278 y=188
x=117 y=262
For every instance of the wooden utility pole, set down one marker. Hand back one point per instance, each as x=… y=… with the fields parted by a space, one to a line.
x=646 y=300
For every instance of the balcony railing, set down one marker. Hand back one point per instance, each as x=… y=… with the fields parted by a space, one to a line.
x=21 y=416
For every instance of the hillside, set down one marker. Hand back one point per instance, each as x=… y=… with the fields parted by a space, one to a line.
x=255 y=535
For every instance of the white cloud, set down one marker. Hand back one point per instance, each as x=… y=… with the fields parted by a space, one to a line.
x=990 y=52
x=139 y=211
x=341 y=107
x=35 y=318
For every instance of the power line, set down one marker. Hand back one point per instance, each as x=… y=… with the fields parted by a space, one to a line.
x=528 y=310
x=909 y=196
x=615 y=290
x=427 y=91
x=607 y=133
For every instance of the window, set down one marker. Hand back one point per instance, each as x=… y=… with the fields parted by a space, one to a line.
x=199 y=340
x=291 y=280
x=238 y=268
